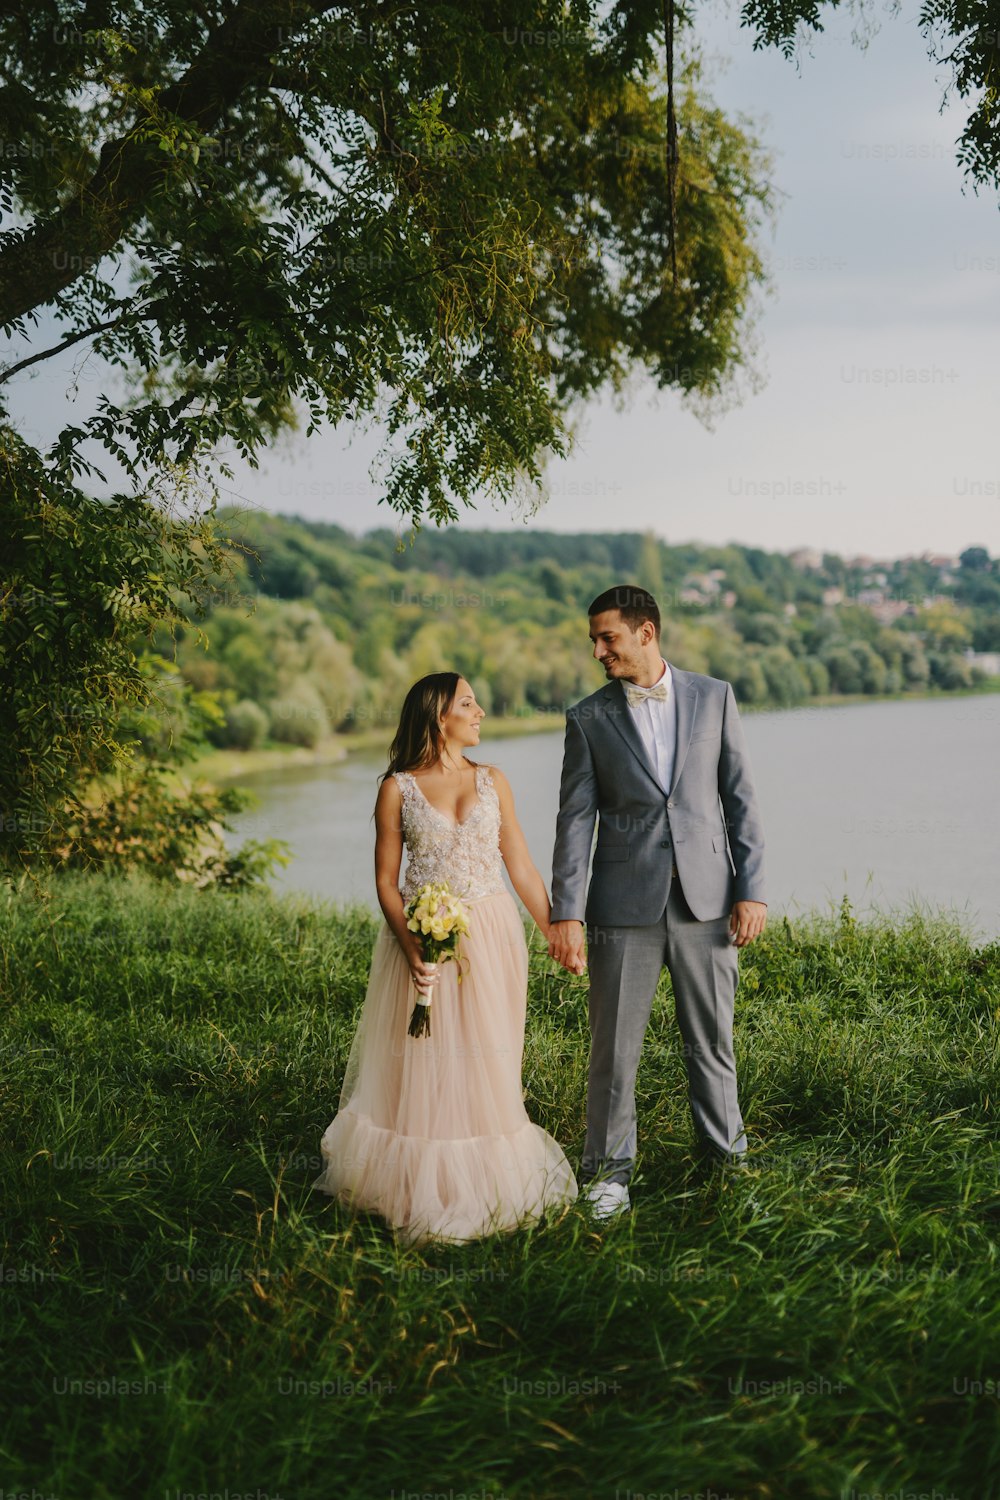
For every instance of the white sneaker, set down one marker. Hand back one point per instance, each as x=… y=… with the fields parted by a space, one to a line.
x=606 y=1200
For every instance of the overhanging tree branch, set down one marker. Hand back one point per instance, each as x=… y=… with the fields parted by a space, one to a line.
x=52 y=254
x=129 y=316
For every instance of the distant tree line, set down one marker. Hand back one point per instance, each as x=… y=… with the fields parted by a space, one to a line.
x=316 y=631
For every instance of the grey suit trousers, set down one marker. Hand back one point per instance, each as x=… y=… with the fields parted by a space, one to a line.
x=625 y=964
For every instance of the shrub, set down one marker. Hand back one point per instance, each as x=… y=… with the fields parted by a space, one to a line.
x=246 y=724
x=174 y=835
x=299 y=717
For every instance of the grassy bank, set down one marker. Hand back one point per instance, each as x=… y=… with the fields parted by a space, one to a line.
x=182 y=1313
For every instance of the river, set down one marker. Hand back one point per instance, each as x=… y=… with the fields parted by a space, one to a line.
x=893 y=804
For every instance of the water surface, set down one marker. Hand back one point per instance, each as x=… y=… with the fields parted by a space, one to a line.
x=890 y=804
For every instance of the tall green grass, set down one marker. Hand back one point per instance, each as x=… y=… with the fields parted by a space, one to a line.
x=182 y=1314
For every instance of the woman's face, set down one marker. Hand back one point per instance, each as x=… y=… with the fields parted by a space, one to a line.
x=461 y=723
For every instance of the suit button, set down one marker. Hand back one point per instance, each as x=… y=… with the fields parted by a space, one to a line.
x=671 y=804
x=664 y=843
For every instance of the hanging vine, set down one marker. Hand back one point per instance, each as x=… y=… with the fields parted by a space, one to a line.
x=668 y=31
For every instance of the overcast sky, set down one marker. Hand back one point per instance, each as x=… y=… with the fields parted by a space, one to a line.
x=877 y=429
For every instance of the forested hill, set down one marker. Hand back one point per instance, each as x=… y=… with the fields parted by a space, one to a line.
x=322 y=630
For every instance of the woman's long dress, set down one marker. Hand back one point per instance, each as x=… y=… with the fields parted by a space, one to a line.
x=431 y=1131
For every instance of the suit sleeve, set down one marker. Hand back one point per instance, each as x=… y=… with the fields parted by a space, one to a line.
x=739 y=803
x=574 y=827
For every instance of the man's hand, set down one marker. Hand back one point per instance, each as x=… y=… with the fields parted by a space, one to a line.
x=566 y=946
x=747 y=921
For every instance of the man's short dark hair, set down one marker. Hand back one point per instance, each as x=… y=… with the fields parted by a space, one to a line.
x=634 y=603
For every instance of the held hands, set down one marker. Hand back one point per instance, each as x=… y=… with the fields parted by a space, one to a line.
x=747 y=921
x=566 y=946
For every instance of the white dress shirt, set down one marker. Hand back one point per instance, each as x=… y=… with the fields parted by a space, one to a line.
x=656 y=722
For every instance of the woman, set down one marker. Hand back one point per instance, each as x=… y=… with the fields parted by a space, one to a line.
x=432 y=1131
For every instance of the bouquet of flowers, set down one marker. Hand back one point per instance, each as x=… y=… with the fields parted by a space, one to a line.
x=440 y=918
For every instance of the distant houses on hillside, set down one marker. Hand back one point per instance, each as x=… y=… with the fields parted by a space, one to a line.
x=810 y=560
x=874 y=593
x=706 y=588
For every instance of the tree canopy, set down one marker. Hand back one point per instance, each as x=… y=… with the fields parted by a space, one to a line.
x=455 y=218
x=460 y=215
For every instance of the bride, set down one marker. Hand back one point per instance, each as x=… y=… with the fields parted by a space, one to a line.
x=431 y=1132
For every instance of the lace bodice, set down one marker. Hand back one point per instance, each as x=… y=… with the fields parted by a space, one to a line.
x=466 y=854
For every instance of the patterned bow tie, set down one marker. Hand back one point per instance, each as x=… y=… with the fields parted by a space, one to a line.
x=641 y=695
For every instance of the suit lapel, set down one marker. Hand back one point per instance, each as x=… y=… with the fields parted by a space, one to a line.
x=687 y=708
x=617 y=710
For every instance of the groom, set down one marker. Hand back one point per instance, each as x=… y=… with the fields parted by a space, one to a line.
x=657 y=756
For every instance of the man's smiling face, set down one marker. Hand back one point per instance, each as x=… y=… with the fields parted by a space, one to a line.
x=619 y=649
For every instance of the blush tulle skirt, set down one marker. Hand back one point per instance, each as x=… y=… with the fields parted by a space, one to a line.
x=431 y=1132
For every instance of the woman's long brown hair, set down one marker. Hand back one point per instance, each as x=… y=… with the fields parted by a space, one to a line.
x=418 y=736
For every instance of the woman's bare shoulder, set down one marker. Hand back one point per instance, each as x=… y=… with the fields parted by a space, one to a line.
x=498 y=778
x=388 y=792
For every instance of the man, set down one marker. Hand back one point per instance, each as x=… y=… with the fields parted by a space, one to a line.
x=657 y=756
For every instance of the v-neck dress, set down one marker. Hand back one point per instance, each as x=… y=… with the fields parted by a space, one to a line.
x=431 y=1132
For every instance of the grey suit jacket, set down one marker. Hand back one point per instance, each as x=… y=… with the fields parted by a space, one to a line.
x=706 y=822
